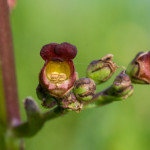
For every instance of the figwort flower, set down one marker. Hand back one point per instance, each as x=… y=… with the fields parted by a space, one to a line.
x=84 y=89
x=57 y=76
x=101 y=70
x=139 y=69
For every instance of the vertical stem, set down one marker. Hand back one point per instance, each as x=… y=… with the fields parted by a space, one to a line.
x=9 y=107
x=2 y=101
x=2 y=114
x=8 y=66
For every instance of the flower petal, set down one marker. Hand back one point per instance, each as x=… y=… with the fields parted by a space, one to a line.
x=47 y=51
x=66 y=50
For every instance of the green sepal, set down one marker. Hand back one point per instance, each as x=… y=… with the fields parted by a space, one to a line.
x=100 y=75
x=79 y=90
x=48 y=101
x=132 y=71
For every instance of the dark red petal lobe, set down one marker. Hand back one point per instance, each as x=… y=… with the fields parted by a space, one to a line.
x=66 y=50
x=144 y=62
x=47 y=51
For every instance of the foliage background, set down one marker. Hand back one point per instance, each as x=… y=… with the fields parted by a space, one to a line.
x=96 y=27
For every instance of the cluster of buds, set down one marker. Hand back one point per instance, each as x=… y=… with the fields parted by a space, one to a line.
x=58 y=77
x=59 y=84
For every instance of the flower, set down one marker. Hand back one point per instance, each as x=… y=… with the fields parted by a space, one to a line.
x=139 y=68
x=57 y=76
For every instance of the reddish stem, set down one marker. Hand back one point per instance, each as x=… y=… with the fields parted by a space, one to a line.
x=8 y=65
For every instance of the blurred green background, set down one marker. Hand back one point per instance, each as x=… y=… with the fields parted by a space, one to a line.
x=96 y=27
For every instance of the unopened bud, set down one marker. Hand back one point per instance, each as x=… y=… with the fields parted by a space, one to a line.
x=84 y=89
x=139 y=69
x=101 y=70
x=121 y=87
x=32 y=109
x=70 y=103
x=48 y=101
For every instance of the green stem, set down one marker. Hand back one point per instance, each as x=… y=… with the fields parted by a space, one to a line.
x=3 y=119
x=119 y=90
x=2 y=114
x=36 y=119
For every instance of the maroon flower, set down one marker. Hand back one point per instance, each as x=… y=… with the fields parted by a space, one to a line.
x=58 y=74
x=139 y=69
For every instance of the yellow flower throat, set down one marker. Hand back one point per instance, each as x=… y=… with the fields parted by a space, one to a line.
x=57 y=71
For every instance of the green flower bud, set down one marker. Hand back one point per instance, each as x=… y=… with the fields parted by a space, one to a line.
x=70 y=103
x=101 y=70
x=121 y=87
x=48 y=101
x=139 y=68
x=84 y=89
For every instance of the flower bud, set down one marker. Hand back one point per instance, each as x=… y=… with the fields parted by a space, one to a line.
x=101 y=70
x=31 y=107
x=58 y=75
x=70 y=103
x=47 y=100
x=139 y=69
x=84 y=89
x=121 y=87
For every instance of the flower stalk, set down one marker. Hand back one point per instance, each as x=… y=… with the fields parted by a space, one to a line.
x=56 y=95
x=9 y=113
x=36 y=118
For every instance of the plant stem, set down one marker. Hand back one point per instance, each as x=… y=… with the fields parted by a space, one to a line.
x=9 y=106
x=36 y=119
x=8 y=66
x=119 y=90
x=2 y=114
